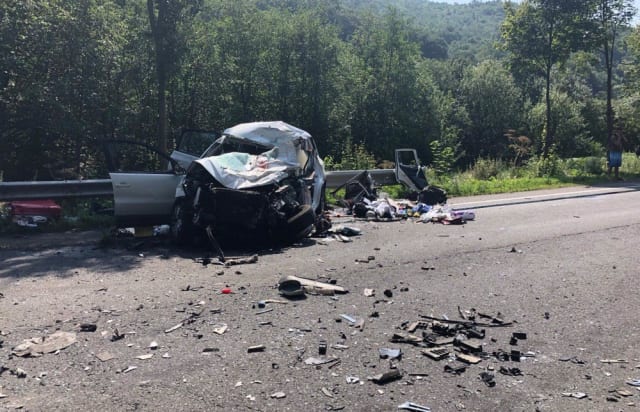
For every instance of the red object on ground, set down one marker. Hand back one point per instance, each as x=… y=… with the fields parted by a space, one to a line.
x=46 y=208
x=226 y=291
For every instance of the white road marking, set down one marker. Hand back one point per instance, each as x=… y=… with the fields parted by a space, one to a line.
x=558 y=195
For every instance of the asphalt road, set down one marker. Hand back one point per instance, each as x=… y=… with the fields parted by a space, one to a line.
x=559 y=266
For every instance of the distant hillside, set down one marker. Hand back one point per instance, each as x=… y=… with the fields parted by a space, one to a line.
x=455 y=30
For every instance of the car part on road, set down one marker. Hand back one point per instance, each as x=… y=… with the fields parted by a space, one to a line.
x=410 y=406
x=387 y=377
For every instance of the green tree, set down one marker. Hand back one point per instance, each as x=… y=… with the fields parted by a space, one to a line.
x=611 y=16
x=164 y=20
x=538 y=34
x=492 y=101
x=58 y=60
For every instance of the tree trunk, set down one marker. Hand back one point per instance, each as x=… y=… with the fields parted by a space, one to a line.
x=161 y=67
x=608 y=55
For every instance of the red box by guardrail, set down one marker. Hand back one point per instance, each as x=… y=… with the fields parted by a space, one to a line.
x=46 y=208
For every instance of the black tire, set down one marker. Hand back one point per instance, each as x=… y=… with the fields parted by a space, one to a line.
x=182 y=228
x=300 y=224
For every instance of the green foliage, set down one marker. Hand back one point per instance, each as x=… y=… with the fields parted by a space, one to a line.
x=443 y=157
x=352 y=157
x=484 y=169
x=492 y=101
x=361 y=75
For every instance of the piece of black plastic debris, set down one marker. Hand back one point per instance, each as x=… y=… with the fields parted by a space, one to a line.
x=520 y=335
x=501 y=355
x=513 y=341
x=374 y=315
x=387 y=377
x=510 y=371
x=388 y=293
x=88 y=327
x=475 y=333
x=386 y=353
x=515 y=355
x=546 y=315
x=455 y=370
x=256 y=348
x=488 y=379
x=436 y=353
x=209 y=350
x=322 y=347
x=117 y=336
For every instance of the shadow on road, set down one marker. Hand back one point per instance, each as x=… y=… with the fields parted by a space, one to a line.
x=65 y=254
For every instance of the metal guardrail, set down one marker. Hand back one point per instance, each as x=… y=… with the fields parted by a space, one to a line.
x=102 y=187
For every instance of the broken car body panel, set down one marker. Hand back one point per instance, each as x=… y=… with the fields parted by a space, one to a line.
x=409 y=171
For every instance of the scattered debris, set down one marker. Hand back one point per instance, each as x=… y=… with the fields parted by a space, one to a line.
x=510 y=371
x=327 y=392
x=221 y=329
x=369 y=292
x=322 y=347
x=320 y=361
x=278 y=395
x=352 y=380
x=171 y=329
x=470 y=359
x=37 y=346
x=256 y=348
x=577 y=395
x=192 y=317
x=19 y=373
x=488 y=379
x=457 y=370
x=348 y=318
x=129 y=369
x=410 y=406
x=294 y=286
x=153 y=345
x=613 y=361
x=117 y=335
x=290 y=288
x=436 y=353
x=391 y=354
x=387 y=377
x=88 y=327
x=145 y=356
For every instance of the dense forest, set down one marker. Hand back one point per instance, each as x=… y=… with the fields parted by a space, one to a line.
x=499 y=80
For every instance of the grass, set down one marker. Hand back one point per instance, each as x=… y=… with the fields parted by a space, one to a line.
x=494 y=176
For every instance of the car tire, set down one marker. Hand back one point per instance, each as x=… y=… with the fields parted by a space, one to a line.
x=300 y=224
x=182 y=228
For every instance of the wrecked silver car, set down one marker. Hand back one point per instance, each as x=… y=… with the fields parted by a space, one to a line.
x=258 y=182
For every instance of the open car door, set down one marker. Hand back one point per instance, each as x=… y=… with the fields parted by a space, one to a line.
x=408 y=170
x=143 y=195
x=191 y=145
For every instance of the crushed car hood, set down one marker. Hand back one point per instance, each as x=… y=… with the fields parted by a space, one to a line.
x=238 y=170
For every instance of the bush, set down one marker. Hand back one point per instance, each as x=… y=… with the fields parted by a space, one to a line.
x=352 y=157
x=485 y=169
